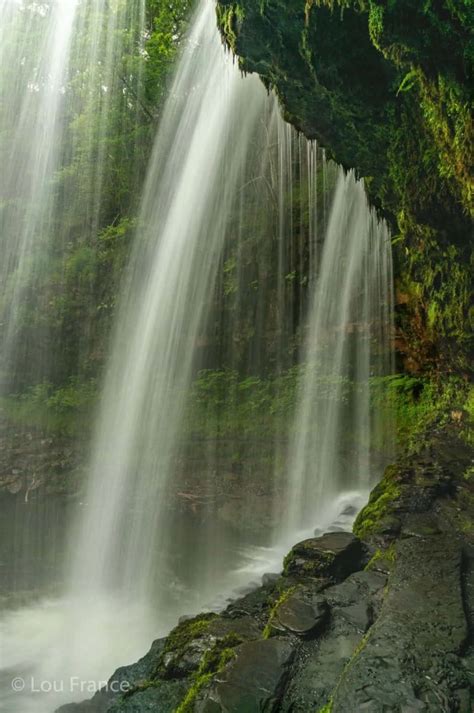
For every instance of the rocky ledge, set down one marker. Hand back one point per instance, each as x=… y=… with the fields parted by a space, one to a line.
x=380 y=620
x=35 y=463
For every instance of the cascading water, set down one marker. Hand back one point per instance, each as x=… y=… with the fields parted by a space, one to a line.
x=204 y=142
x=348 y=346
x=234 y=239
x=201 y=149
x=61 y=89
x=62 y=93
x=31 y=101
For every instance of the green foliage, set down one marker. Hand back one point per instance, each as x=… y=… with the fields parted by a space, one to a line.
x=66 y=410
x=376 y=15
x=230 y=17
x=414 y=404
x=167 y=22
x=72 y=275
x=222 y=402
x=409 y=81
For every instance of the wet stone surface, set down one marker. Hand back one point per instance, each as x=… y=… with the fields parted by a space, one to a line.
x=334 y=555
x=253 y=681
x=301 y=617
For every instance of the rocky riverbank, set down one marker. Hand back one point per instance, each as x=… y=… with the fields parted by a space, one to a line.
x=380 y=620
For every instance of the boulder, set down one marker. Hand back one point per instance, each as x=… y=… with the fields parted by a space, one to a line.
x=411 y=659
x=333 y=556
x=254 y=681
x=164 y=697
x=301 y=617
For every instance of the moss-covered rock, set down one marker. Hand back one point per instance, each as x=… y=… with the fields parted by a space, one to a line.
x=378 y=515
x=185 y=646
x=331 y=557
x=430 y=481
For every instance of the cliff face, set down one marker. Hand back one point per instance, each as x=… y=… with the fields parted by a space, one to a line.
x=385 y=88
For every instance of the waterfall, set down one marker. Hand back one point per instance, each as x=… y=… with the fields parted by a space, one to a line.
x=31 y=101
x=62 y=98
x=200 y=151
x=348 y=345
x=61 y=74
x=256 y=265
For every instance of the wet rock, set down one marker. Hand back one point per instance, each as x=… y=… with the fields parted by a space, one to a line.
x=463 y=697
x=420 y=525
x=301 y=617
x=411 y=659
x=254 y=681
x=334 y=556
x=164 y=697
x=124 y=679
x=244 y=627
x=179 y=664
x=189 y=642
x=349 y=511
x=270 y=578
x=359 y=615
x=390 y=525
x=32 y=466
x=320 y=661
x=185 y=617
x=254 y=604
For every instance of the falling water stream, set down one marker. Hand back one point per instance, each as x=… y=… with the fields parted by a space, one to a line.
x=348 y=345
x=31 y=99
x=223 y=160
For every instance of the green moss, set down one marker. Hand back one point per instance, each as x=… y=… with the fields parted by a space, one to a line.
x=469 y=474
x=382 y=558
x=229 y=18
x=214 y=661
x=182 y=635
x=286 y=562
x=414 y=404
x=327 y=708
x=380 y=505
x=376 y=13
x=358 y=650
x=284 y=596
